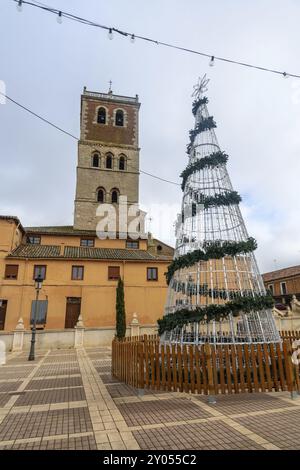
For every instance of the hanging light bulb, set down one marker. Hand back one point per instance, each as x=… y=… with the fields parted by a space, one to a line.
x=212 y=61
x=20 y=5
x=59 y=17
x=285 y=75
x=110 y=34
x=132 y=38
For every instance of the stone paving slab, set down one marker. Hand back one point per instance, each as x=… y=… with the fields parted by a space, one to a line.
x=9 y=386
x=68 y=443
x=282 y=429
x=151 y=412
x=206 y=436
x=45 y=423
x=59 y=395
x=107 y=378
x=57 y=382
x=57 y=370
x=246 y=403
x=67 y=399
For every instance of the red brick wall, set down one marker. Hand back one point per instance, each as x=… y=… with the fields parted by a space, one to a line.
x=127 y=135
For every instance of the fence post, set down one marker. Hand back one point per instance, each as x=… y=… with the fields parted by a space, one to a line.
x=141 y=380
x=210 y=375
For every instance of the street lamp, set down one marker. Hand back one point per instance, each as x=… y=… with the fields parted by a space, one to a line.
x=38 y=285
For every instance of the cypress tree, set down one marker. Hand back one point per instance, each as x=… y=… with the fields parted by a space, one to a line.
x=120 y=311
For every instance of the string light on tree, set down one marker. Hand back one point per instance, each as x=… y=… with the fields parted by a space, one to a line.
x=20 y=5
x=212 y=61
x=132 y=38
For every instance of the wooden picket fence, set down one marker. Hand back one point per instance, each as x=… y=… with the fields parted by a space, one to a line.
x=144 y=363
x=291 y=335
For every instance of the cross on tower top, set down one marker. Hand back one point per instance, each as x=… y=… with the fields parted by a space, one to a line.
x=110 y=84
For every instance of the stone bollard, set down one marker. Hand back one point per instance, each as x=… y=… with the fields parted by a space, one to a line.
x=2 y=353
x=79 y=333
x=135 y=326
x=18 y=339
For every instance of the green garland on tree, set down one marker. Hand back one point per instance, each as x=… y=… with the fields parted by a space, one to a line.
x=213 y=250
x=198 y=103
x=212 y=160
x=120 y=311
x=205 y=125
x=231 y=197
x=214 y=312
x=192 y=288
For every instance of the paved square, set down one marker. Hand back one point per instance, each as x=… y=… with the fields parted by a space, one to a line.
x=67 y=399
x=195 y=437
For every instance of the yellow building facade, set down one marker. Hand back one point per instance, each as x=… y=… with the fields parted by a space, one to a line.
x=80 y=271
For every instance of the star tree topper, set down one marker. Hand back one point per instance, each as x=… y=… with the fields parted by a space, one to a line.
x=200 y=87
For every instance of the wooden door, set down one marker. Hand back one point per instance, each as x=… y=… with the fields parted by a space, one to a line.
x=3 y=314
x=72 y=311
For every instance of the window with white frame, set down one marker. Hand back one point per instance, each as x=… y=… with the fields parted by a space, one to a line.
x=283 y=288
x=271 y=288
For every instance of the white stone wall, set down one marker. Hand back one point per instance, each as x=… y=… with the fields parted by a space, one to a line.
x=62 y=339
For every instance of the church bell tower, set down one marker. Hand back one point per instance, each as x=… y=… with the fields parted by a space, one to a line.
x=108 y=155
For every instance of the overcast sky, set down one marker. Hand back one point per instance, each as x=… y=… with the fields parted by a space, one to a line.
x=46 y=65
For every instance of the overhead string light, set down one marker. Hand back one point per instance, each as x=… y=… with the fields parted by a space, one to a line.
x=73 y=136
x=111 y=30
x=59 y=18
x=110 y=34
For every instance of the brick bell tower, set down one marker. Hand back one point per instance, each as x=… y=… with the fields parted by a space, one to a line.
x=108 y=155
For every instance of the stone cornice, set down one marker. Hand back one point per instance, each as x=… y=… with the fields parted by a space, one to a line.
x=108 y=144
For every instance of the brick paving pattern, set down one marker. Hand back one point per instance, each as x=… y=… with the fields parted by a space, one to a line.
x=60 y=395
x=67 y=399
x=231 y=404
x=48 y=423
x=206 y=436
x=151 y=412
x=282 y=429
x=9 y=386
x=53 y=383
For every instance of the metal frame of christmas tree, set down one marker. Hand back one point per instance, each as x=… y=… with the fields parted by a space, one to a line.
x=216 y=293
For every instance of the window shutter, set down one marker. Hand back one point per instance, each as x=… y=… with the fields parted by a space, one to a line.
x=113 y=272
x=11 y=271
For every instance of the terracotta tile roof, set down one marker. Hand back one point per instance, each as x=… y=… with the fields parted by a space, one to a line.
x=106 y=253
x=60 y=230
x=281 y=273
x=67 y=230
x=36 y=251
x=74 y=252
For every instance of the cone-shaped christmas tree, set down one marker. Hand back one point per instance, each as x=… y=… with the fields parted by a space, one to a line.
x=216 y=293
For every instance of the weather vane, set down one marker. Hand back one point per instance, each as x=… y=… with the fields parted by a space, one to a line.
x=200 y=87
